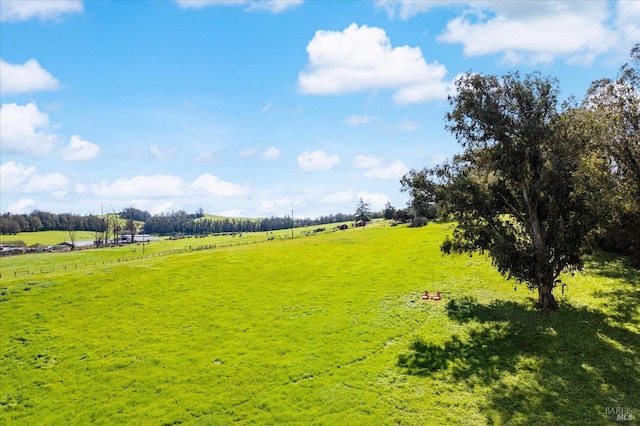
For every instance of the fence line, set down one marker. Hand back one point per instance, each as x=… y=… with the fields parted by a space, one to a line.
x=186 y=249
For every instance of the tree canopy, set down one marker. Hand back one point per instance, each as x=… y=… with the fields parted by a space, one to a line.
x=363 y=211
x=612 y=109
x=513 y=190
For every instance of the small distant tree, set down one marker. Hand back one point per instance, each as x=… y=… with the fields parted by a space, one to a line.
x=72 y=226
x=131 y=227
x=389 y=211
x=363 y=211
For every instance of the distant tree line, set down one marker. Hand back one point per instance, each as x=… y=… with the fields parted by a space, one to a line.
x=44 y=221
x=108 y=226
x=181 y=222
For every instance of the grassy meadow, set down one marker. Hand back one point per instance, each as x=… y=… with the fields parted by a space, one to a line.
x=323 y=330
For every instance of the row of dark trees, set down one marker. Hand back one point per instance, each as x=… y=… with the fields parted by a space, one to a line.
x=107 y=226
x=44 y=221
x=539 y=182
x=181 y=222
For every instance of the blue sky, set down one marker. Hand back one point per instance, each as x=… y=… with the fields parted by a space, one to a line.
x=257 y=108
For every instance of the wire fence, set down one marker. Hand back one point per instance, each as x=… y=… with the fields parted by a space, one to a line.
x=185 y=249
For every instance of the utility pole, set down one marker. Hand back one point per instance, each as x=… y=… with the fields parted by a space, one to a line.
x=292 y=224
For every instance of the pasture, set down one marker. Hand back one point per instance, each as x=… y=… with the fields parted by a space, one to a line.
x=328 y=329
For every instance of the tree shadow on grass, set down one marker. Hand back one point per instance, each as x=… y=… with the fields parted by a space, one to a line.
x=572 y=366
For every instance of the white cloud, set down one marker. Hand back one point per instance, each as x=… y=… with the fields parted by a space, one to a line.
x=276 y=206
x=233 y=213
x=210 y=157
x=408 y=8
x=362 y=58
x=155 y=186
x=339 y=197
x=249 y=152
x=16 y=178
x=22 y=10
x=378 y=168
x=357 y=120
x=160 y=154
x=366 y=161
x=394 y=170
x=60 y=195
x=211 y=185
x=79 y=150
x=164 y=207
x=22 y=206
x=317 y=160
x=533 y=31
x=80 y=188
x=628 y=23
x=18 y=130
x=25 y=78
x=274 y=6
x=271 y=153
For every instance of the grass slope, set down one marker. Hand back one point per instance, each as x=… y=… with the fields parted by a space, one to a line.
x=328 y=330
x=48 y=237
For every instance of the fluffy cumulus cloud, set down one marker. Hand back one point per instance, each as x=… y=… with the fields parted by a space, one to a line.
x=80 y=150
x=25 y=78
x=21 y=130
x=393 y=170
x=628 y=21
x=155 y=186
x=533 y=31
x=276 y=206
x=362 y=58
x=339 y=197
x=274 y=6
x=168 y=186
x=317 y=160
x=22 y=10
x=271 y=153
x=15 y=178
x=212 y=185
x=22 y=206
x=377 y=168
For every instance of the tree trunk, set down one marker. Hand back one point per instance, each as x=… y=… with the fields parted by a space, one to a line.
x=546 y=301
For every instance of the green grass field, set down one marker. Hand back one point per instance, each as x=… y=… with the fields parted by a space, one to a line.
x=322 y=330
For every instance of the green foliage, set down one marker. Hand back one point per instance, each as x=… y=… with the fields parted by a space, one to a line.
x=328 y=329
x=612 y=111
x=513 y=191
x=363 y=211
x=422 y=195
